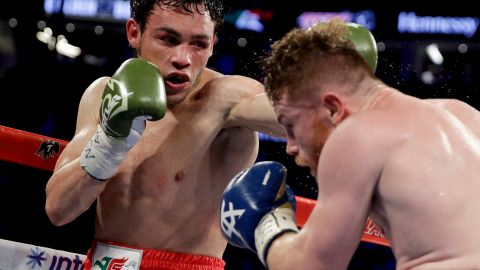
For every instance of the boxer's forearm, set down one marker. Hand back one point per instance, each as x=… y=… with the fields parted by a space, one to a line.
x=299 y=251
x=70 y=192
x=284 y=253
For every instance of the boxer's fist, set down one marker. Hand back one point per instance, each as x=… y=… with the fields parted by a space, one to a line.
x=364 y=43
x=257 y=207
x=134 y=93
x=135 y=90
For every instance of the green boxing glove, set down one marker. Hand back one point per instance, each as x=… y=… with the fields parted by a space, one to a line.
x=364 y=43
x=135 y=93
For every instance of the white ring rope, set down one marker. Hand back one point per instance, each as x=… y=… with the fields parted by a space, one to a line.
x=20 y=256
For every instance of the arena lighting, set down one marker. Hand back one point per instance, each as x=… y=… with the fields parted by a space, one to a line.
x=98 y=30
x=116 y=10
x=70 y=27
x=46 y=36
x=121 y=10
x=434 y=54
x=249 y=21
x=52 y=6
x=84 y=8
x=64 y=48
x=427 y=77
x=60 y=44
x=462 y=48
x=12 y=22
x=41 y=24
x=380 y=46
x=245 y=19
x=364 y=17
x=242 y=42
x=409 y=22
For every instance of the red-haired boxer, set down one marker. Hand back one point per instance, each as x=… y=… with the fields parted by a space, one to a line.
x=410 y=164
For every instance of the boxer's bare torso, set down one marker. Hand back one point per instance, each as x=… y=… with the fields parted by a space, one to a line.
x=166 y=194
x=168 y=190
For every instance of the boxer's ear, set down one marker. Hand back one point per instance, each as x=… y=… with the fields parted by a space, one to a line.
x=335 y=106
x=134 y=34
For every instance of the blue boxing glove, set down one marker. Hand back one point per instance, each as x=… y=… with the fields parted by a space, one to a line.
x=257 y=207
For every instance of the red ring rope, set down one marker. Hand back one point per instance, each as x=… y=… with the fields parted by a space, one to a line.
x=29 y=149
x=41 y=152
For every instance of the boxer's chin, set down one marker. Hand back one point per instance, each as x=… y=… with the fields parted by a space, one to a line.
x=303 y=163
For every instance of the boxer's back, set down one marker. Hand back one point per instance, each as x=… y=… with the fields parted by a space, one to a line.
x=427 y=198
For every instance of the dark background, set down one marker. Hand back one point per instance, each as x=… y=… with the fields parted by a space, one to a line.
x=40 y=90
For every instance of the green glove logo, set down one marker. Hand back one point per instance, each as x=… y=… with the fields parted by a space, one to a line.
x=114 y=102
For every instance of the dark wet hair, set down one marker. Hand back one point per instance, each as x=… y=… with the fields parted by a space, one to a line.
x=141 y=9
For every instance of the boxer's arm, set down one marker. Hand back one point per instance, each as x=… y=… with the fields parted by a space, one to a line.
x=113 y=123
x=347 y=174
x=70 y=190
x=250 y=106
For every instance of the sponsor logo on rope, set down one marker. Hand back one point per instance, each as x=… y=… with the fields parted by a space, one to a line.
x=47 y=149
x=36 y=258
x=372 y=229
x=39 y=258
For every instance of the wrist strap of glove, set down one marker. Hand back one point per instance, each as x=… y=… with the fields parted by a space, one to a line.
x=103 y=154
x=271 y=226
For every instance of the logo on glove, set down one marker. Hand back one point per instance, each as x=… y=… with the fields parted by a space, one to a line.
x=113 y=104
x=229 y=218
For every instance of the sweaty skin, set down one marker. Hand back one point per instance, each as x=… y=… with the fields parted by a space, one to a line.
x=167 y=190
x=410 y=164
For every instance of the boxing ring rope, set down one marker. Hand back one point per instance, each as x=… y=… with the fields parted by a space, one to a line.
x=29 y=149
x=41 y=152
x=20 y=256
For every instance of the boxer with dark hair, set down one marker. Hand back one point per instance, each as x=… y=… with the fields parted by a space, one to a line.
x=156 y=144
